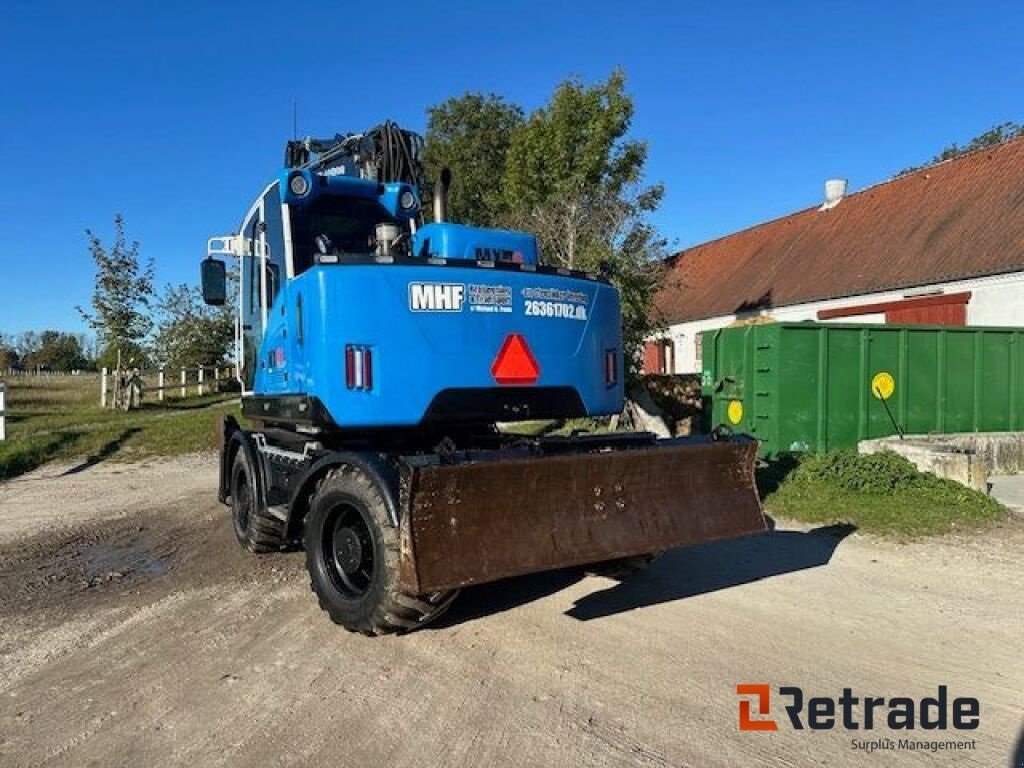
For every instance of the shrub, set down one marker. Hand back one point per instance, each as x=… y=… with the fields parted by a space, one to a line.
x=867 y=473
x=880 y=492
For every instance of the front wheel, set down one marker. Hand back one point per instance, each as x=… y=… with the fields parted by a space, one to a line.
x=352 y=554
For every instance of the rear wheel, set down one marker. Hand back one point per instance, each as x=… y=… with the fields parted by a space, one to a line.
x=352 y=553
x=255 y=528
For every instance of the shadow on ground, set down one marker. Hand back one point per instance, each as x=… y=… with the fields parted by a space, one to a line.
x=708 y=568
x=177 y=404
x=500 y=596
x=675 y=575
x=772 y=474
x=33 y=452
x=105 y=452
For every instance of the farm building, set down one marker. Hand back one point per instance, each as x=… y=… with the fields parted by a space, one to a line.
x=943 y=245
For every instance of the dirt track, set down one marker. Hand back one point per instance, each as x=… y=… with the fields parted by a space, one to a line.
x=135 y=632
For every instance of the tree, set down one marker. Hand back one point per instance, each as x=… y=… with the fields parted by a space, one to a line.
x=471 y=135
x=576 y=180
x=127 y=354
x=26 y=343
x=57 y=351
x=121 y=297
x=8 y=355
x=569 y=174
x=90 y=347
x=190 y=333
x=997 y=134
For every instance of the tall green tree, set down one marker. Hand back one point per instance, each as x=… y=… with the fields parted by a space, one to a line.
x=471 y=135
x=575 y=178
x=570 y=173
x=189 y=333
x=121 y=298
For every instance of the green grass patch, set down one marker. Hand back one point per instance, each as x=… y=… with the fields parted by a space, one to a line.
x=59 y=418
x=30 y=452
x=879 y=493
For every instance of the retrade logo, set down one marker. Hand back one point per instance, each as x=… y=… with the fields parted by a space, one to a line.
x=854 y=713
x=762 y=696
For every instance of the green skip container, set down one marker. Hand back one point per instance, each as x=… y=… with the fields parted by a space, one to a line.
x=822 y=386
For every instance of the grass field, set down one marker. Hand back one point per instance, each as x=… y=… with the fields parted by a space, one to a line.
x=60 y=418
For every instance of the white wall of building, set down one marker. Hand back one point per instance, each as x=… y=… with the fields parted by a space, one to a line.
x=994 y=301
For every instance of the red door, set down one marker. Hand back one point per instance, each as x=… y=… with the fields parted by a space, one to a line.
x=654 y=357
x=659 y=356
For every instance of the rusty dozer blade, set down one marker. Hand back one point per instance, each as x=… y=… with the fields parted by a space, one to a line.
x=500 y=515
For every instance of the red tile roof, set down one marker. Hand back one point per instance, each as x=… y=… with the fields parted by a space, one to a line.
x=961 y=218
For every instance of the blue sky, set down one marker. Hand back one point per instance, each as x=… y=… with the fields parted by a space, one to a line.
x=175 y=114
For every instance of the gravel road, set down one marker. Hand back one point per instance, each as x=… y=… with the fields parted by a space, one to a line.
x=135 y=632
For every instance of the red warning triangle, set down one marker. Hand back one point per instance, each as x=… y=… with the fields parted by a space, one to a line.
x=515 y=363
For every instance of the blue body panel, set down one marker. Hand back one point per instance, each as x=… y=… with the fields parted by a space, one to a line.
x=432 y=328
x=457 y=241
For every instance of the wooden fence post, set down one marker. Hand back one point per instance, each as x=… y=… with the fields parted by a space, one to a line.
x=160 y=383
x=3 y=411
x=184 y=392
x=103 y=388
x=200 y=387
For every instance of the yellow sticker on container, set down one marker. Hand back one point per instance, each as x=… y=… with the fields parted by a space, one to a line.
x=883 y=385
x=735 y=411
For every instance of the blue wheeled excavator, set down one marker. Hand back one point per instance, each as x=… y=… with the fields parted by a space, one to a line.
x=376 y=353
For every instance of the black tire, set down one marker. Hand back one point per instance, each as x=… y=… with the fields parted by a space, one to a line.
x=255 y=528
x=622 y=568
x=352 y=554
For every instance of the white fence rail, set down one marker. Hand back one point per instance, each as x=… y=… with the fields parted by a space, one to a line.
x=36 y=373
x=197 y=381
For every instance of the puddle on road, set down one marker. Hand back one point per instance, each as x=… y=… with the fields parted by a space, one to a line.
x=112 y=558
x=104 y=560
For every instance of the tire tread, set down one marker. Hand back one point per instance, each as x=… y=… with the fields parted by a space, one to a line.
x=394 y=610
x=266 y=533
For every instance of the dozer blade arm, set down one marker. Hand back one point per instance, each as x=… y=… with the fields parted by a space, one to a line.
x=486 y=519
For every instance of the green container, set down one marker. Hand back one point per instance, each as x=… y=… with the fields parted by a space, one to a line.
x=820 y=387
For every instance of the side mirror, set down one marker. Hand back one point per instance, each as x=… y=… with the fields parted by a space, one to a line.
x=214 y=282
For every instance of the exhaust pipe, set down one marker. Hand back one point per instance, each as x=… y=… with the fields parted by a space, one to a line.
x=441 y=195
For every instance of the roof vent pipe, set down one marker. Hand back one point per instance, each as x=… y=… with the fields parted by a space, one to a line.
x=835 y=191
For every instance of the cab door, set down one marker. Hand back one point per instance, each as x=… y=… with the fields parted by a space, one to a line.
x=274 y=373
x=250 y=304
x=262 y=280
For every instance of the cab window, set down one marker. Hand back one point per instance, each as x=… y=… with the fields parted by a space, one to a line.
x=349 y=223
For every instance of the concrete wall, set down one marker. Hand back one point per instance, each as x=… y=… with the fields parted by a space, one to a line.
x=994 y=301
x=968 y=458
